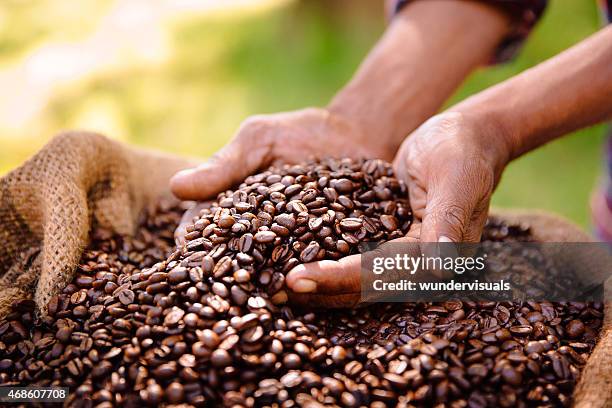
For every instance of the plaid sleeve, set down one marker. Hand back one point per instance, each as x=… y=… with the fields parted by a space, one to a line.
x=525 y=14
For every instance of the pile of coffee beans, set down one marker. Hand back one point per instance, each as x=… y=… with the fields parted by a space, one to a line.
x=208 y=323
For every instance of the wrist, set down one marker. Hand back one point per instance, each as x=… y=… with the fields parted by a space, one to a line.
x=373 y=137
x=376 y=135
x=412 y=70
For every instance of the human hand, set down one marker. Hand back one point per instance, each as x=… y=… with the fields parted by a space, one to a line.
x=265 y=140
x=451 y=165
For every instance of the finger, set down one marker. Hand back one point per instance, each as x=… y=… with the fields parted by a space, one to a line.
x=450 y=204
x=335 y=277
x=478 y=221
x=243 y=156
x=414 y=232
x=327 y=277
x=416 y=191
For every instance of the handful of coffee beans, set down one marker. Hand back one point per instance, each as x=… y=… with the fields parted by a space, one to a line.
x=207 y=324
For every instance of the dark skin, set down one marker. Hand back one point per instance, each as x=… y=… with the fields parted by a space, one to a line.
x=451 y=162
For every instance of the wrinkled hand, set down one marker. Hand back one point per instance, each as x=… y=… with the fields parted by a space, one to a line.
x=264 y=140
x=273 y=139
x=451 y=165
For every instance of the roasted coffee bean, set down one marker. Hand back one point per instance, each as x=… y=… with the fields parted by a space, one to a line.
x=242 y=276
x=174 y=316
x=265 y=237
x=222 y=267
x=208 y=325
x=178 y=275
x=126 y=296
x=342 y=185
x=221 y=358
x=389 y=222
x=286 y=220
x=209 y=338
x=226 y=221
x=310 y=253
x=351 y=224
x=575 y=329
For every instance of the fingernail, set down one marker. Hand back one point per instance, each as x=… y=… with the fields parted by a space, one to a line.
x=304 y=286
x=446 y=251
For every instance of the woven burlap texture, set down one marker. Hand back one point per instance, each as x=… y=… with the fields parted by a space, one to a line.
x=49 y=205
x=594 y=390
x=83 y=180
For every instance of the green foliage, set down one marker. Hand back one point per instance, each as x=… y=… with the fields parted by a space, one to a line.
x=223 y=67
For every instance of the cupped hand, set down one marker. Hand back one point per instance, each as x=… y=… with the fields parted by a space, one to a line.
x=264 y=140
x=451 y=165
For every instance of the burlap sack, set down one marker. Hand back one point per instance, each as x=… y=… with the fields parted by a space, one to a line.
x=83 y=180
x=49 y=205
x=595 y=386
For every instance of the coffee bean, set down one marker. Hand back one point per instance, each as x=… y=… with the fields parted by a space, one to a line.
x=315 y=224
x=264 y=237
x=220 y=289
x=226 y=221
x=242 y=276
x=221 y=358
x=292 y=361
x=286 y=220
x=102 y=369
x=174 y=316
x=310 y=253
x=222 y=267
x=78 y=297
x=245 y=244
x=575 y=329
x=175 y=393
x=178 y=275
x=389 y=222
x=522 y=330
x=343 y=247
x=511 y=375
x=126 y=296
x=342 y=185
x=256 y=302
x=209 y=324
x=351 y=224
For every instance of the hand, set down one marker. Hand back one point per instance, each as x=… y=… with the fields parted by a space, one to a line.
x=451 y=165
x=290 y=137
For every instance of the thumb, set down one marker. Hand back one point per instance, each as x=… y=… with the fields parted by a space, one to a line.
x=341 y=283
x=327 y=276
x=326 y=284
x=241 y=157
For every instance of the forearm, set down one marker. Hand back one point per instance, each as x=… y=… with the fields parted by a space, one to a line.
x=426 y=52
x=565 y=93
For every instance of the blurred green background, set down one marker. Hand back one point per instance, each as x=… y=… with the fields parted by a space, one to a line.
x=181 y=75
